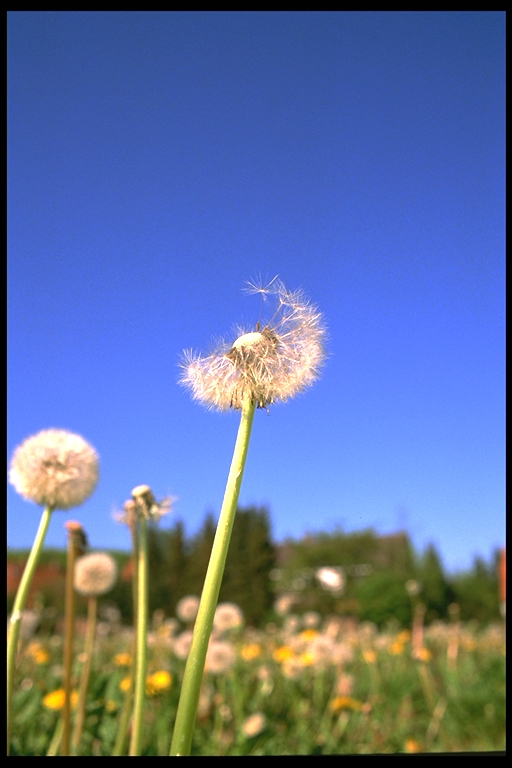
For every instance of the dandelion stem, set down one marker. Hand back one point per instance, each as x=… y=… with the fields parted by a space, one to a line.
x=92 y=611
x=142 y=624
x=19 y=605
x=75 y=534
x=189 y=697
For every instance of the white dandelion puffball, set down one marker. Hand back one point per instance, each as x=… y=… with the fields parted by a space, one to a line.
x=95 y=574
x=55 y=468
x=268 y=365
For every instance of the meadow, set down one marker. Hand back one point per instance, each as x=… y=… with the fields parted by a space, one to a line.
x=302 y=685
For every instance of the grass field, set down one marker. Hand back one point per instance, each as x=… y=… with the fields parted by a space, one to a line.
x=303 y=686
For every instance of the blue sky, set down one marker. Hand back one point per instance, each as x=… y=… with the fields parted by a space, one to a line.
x=156 y=161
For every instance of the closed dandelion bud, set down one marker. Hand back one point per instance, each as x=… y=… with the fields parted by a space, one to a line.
x=95 y=574
x=268 y=365
x=55 y=468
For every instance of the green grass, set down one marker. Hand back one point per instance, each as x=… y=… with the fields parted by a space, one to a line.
x=369 y=699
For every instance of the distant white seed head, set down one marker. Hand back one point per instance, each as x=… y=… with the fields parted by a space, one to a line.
x=270 y=365
x=95 y=574
x=55 y=468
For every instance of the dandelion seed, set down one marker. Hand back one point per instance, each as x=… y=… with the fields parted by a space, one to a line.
x=270 y=365
x=55 y=468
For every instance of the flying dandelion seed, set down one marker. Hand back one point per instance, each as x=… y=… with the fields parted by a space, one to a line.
x=271 y=364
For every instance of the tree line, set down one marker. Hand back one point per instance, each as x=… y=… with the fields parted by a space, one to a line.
x=380 y=578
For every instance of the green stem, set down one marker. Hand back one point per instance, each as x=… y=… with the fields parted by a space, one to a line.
x=190 y=690
x=142 y=626
x=69 y=636
x=19 y=605
x=92 y=611
x=124 y=719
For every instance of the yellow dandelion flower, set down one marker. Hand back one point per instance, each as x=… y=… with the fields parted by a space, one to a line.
x=125 y=684
x=122 y=659
x=55 y=699
x=282 y=654
x=307 y=659
x=308 y=635
x=41 y=656
x=249 y=652
x=37 y=653
x=411 y=745
x=370 y=657
x=110 y=706
x=404 y=636
x=423 y=654
x=158 y=682
x=345 y=702
x=396 y=648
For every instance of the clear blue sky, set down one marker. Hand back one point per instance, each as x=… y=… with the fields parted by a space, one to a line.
x=159 y=160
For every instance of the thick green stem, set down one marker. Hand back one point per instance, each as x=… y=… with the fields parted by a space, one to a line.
x=142 y=628
x=17 y=610
x=190 y=690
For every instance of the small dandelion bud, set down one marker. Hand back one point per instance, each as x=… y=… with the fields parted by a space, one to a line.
x=55 y=468
x=270 y=365
x=95 y=574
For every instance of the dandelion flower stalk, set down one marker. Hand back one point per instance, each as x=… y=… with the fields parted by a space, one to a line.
x=190 y=690
x=19 y=604
x=58 y=470
x=260 y=367
x=129 y=518
x=76 y=546
x=95 y=575
x=146 y=508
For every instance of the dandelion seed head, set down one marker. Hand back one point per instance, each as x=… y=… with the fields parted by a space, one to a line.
x=55 y=468
x=270 y=364
x=187 y=607
x=95 y=574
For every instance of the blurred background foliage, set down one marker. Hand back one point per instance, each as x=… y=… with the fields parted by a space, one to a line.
x=373 y=572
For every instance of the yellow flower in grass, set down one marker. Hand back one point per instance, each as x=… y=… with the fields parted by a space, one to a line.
x=282 y=654
x=345 y=702
x=423 y=654
x=158 y=682
x=37 y=653
x=307 y=659
x=411 y=746
x=396 y=648
x=308 y=635
x=125 y=684
x=55 y=699
x=249 y=652
x=122 y=659
x=370 y=657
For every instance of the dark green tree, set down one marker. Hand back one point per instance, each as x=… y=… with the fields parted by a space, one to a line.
x=382 y=597
x=436 y=594
x=250 y=559
x=477 y=592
